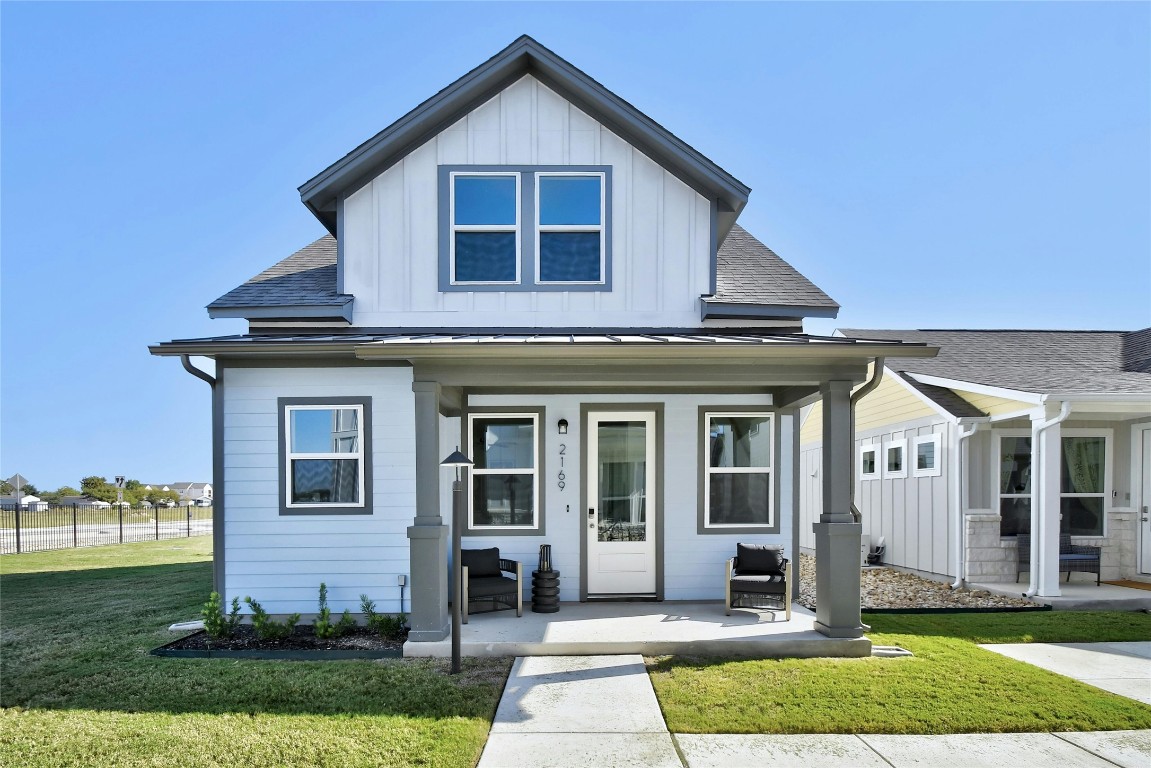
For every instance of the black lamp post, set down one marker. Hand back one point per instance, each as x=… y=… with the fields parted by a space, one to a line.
x=457 y=460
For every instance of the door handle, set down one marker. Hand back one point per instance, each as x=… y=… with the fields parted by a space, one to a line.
x=591 y=517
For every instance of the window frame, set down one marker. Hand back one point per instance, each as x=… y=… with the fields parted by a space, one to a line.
x=527 y=216
x=537 y=415
x=704 y=524
x=1105 y=494
x=600 y=228
x=877 y=450
x=285 y=457
x=454 y=228
x=937 y=457
x=898 y=474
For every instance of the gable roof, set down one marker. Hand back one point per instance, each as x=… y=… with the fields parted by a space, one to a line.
x=524 y=56
x=751 y=281
x=1039 y=362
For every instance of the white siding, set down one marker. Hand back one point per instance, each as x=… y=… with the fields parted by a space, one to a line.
x=281 y=560
x=693 y=563
x=660 y=229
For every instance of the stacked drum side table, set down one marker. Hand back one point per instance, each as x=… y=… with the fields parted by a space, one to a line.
x=545 y=584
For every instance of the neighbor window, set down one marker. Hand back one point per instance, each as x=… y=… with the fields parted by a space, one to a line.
x=505 y=488
x=867 y=467
x=737 y=479
x=325 y=456
x=1082 y=484
x=895 y=459
x=1014 y=466
x=926 y=456
x=537 y=228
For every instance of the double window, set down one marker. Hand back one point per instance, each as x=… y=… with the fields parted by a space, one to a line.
x=325 y=455
x=505 y=476
x=737 y=486
x=1083 y=484
x=513 y=228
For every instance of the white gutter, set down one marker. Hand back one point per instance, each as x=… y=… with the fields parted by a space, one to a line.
x=1038 y=484
x=958 y=462
x=872 y=383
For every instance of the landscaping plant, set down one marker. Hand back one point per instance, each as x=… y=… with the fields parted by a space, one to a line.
x=267 y=628
x=323 y=626
x=216 y=624
x=388 y=626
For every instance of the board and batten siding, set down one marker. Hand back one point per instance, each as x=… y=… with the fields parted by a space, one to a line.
x=693 y=563
x=281 y=560
x=661 y=228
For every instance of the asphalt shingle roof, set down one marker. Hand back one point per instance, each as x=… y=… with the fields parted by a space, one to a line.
x=1063 y=362
x=307 y=277
x=748 y=272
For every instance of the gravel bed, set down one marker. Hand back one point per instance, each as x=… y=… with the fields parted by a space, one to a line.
x=888 y=588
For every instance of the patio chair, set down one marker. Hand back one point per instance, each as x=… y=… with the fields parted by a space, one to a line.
x=484 y=581
x=1078 y=558
x=758 y=574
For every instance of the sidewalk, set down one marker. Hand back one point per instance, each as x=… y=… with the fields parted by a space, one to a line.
x=601 y=712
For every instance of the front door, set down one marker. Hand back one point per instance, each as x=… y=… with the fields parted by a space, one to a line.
x=621 y=494
x=1145 y=504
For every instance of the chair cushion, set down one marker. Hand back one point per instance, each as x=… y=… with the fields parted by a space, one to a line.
x=761 y=584
x=481 y=562
x=489 y=586
x=759 y=558
x=1079 y=557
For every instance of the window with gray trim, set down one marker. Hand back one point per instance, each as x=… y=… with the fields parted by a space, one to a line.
x=505 y=452
x=526 y=228
x=738 y=490
x=325 y=465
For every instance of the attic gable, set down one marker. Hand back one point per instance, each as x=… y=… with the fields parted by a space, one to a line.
x=525 y=56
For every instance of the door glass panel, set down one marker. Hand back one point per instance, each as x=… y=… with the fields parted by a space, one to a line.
x=622 y=481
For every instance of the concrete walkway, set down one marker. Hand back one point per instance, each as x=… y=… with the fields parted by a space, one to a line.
x=1122 y=668
x=601 y=712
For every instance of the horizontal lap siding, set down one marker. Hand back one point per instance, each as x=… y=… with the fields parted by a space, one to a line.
x=281 y=560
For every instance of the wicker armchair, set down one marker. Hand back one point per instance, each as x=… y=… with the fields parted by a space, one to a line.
x=484 y=581
x=758 y=574
x=1078 y=558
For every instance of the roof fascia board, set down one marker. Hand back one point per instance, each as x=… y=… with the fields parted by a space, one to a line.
x=979 y=389
x=524 y=56
x=718 y=310
x=1102 y=397
x=285 y=312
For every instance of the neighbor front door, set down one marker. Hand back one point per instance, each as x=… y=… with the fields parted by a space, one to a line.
x=621 y=492
x=1145 y=504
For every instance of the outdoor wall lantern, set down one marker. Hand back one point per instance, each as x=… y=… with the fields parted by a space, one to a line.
x=563 y=426
x=458 y=461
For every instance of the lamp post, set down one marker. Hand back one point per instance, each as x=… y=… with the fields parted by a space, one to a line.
x=456 y=460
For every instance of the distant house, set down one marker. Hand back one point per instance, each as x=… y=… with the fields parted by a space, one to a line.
x=27 y=502
x=83 y=501
x=192 y=493
x=1049 y=433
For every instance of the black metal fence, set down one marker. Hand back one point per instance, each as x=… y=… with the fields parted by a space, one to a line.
x=57 y=527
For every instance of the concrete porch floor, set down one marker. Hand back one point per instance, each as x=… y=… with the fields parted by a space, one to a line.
x=1078 y=596
x=609 y=628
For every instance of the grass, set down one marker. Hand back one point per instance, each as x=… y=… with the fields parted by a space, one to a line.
x=949 y=686
x=79 y=688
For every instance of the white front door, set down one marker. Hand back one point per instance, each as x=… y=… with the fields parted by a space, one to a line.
x=1144 y=516
x=621 y=493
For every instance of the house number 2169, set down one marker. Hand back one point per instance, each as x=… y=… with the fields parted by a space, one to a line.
x=561 y=477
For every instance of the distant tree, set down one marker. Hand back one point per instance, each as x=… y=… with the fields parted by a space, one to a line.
x=54 y=497
x=160 y=497
x=29 y=490
x=7 y=487
x=133 y=485
x=98 y=488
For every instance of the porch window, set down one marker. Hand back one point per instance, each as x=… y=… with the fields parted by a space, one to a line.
x=868 y=470
x=325 y=449
x=926 y=456
x=1014 y=485
x=895 y=460
x=737 y=489
x=504 y=479
x=485 y=228
x=1082 y=482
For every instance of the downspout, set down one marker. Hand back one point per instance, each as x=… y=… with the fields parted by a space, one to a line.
x=186 y=361
x=957 y=464
x=872 y=383
x=1038 y=481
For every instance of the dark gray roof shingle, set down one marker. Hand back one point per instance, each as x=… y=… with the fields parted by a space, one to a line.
x=307 y=277
x=1040 y=362
x=748 y=272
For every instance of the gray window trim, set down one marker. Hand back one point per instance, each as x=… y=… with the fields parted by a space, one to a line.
x=526 y=234
x=282 y=404
x=702 y=528
x=540 y=528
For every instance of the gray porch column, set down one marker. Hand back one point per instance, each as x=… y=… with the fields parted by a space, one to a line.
x=837 y=535
x=428 y=534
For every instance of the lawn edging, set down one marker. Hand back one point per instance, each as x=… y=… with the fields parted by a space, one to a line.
x=995 y=609
x=270 y=655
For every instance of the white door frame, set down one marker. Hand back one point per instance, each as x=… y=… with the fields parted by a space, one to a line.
x=649 y=585
x=1141 y=496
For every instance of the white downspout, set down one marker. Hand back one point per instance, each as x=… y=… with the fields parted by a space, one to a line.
x=872 y=383
x=1038 y=482
x=957 y=496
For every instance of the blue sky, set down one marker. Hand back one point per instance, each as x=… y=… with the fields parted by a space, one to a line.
x=928 y=165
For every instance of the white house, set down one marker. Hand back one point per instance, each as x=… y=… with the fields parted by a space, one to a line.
x=26 y=502
x=526 y=267
x=1047 y=432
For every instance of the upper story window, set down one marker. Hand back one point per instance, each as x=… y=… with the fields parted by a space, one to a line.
x=525 y=228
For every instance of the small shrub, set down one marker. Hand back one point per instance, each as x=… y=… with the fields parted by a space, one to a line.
x=323 y=627
x=216 y=624
x=388 y=626
x=266 y=628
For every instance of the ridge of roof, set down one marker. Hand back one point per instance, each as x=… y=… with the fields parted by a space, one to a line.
x=523 y=56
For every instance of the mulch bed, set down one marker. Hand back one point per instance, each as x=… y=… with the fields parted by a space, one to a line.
x=303 y=638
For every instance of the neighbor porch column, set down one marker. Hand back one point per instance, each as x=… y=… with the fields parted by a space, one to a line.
x=837 y=535
x=428 y=534
x=1046 y=445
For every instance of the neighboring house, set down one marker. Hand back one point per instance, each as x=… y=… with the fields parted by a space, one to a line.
x=27 y=502
x=192 y=493
x=83 y=501
x=993 y=409
x=528 y=268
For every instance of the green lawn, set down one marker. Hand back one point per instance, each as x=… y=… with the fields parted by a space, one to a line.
x=78 y=687
x=949 y=686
